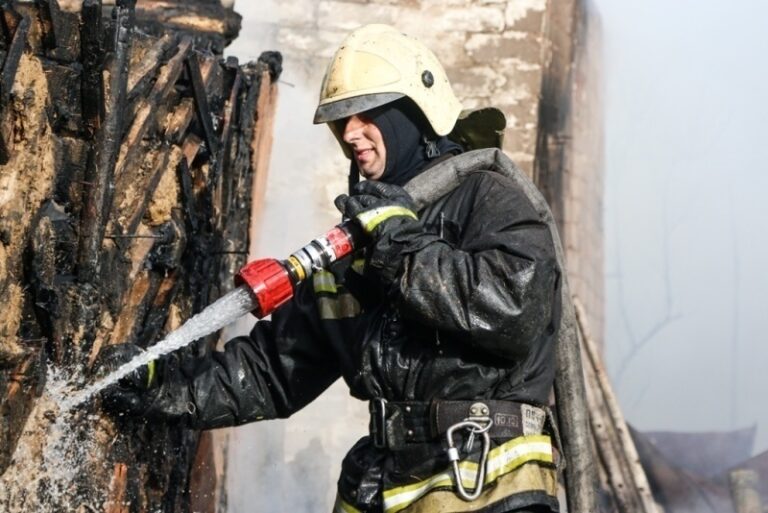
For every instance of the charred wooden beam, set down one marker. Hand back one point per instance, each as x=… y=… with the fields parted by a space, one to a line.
x=157 y=316
x=213 y=25
x=141 y=77
x=147 y=109
x=8 y=76
x=48 y=10
x=11 y=63
x=223 y=185
x=10 y=20
x=190 y=149
x=92 y=58
x=98 y=197
x=185 y=112
x=201 y=102
x=60 y=35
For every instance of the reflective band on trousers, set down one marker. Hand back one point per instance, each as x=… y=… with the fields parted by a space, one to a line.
x=332 y=301
x=501 y=460
x=323 y=281
x=370 y=219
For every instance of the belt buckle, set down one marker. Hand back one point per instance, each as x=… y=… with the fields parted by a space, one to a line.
x=379 y=417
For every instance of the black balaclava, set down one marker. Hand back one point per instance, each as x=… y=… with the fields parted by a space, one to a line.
x=410 y=142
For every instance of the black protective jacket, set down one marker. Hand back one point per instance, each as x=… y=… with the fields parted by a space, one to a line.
x=472 y=314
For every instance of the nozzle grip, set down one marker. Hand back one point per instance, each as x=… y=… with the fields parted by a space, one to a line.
x=269 y=282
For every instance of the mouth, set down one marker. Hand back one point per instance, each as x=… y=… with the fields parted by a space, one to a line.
x=363 y=155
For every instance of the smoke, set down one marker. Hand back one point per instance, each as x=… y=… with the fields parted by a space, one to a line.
x=684 y=204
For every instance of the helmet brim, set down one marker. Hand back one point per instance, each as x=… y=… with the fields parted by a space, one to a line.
x=340 y=109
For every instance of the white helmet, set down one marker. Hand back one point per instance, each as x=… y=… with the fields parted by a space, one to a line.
x=376 y=65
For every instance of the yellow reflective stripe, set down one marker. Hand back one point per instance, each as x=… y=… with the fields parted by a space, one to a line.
x=342 y=306
x=151 y=368
x=323 y=281
x=358 y=265
x=370 y=219
x=501 y=460
x=344 y=507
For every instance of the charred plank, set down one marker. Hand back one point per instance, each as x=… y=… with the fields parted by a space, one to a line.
x=140 y=78
x=60 y=36
x=10 y=21
x=169 y=74
x=201 y=102
x=92 y=58
x=98 y=198
x=8 y=76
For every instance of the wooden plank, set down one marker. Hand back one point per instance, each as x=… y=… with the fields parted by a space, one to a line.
x=615 y=445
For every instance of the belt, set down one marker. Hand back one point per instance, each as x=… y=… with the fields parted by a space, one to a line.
x=395 y=425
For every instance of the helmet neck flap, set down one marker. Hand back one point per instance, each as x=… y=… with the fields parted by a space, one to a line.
x=410 y=142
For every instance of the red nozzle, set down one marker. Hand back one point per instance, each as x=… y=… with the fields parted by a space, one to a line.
x=269 y=282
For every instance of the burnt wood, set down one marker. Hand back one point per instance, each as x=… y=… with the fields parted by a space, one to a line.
x=133 y=158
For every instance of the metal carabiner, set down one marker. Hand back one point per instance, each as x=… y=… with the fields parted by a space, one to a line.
x=453 y=456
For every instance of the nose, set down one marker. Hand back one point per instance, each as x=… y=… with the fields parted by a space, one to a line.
x=353 y=129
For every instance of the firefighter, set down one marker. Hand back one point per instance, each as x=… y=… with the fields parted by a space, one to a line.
x=445 y=324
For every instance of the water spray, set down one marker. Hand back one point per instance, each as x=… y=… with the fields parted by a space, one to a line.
x=262 y=287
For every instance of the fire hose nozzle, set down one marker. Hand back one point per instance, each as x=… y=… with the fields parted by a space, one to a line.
x=272 y=282
x=269 y=283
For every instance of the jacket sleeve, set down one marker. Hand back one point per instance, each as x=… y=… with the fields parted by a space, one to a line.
x=278 y=369
x=496 y=287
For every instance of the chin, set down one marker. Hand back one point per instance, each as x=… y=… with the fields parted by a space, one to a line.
x=371 y=175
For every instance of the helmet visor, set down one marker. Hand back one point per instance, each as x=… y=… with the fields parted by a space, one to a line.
x=341 y=109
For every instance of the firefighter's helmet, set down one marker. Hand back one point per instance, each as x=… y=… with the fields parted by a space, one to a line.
x=377 y=64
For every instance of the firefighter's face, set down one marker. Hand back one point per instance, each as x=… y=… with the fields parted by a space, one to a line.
x=367 y=145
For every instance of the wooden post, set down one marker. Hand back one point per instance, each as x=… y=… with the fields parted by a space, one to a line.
x=261 y=146
x=746 y=498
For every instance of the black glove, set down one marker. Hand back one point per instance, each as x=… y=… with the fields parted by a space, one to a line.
x=388 y=215
x=134 y=393
x=377 y=207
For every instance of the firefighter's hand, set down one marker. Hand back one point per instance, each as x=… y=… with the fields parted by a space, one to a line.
x=377 y=206
x=386 y=213
x=132 y=394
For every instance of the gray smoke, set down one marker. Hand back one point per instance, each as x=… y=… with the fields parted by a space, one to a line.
x=686 y=245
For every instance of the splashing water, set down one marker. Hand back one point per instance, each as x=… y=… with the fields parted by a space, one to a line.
x=219 y=314
x=54 y=453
